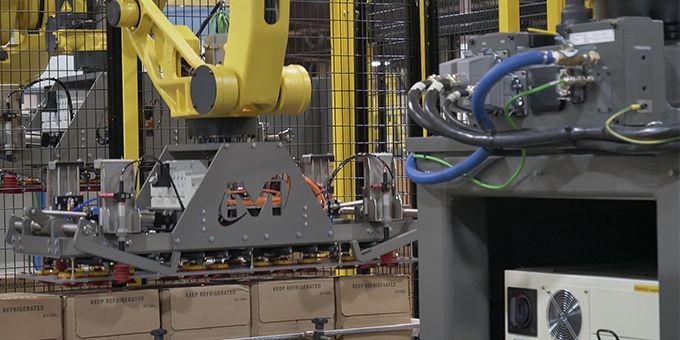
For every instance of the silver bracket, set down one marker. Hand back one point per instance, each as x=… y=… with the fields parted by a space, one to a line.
x=365 y=255
x=98 y=245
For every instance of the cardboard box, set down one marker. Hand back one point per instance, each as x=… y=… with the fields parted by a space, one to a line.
x=289 y=306
x=28 y=316
x=208 y=313
x=126 y=315
x=364 y=301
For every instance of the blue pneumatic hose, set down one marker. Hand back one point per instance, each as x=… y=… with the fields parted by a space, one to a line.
x=82 y=205
x=441 y=176
x=497 y=73
x=485 y=85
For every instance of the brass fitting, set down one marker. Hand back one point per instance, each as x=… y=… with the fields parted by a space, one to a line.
x=564 y=58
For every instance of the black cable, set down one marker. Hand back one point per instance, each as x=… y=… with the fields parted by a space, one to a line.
x=206 y=21
x=156 y=162
x=415 y=110
x=61 y=83
x=174 y=188
x=172 y=181
x=430 y=118
x=651 y=132
x=627 y=148
x=102 y=139
x=616 y=337
x=354 y=157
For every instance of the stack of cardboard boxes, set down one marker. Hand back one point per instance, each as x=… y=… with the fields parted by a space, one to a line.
x=211 y=312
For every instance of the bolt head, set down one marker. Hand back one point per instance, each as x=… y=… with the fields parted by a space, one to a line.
x=266 y=236
x=211 y=239
x=298 y=234
x=244 y=237
x=177 y=241
x=330 y=233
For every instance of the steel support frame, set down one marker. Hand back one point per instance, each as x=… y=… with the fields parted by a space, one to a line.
x=454 y=272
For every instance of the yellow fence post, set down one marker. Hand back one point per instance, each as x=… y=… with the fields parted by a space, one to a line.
x=508 y=16
x=130 y=103
x=423 y=48
x=342 y=85
x=554 y=8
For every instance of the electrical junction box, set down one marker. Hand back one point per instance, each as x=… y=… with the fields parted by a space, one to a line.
x=577 y=304
x=280 y=307
x=26 y=316
x=187 y=176
x=206 y=312
x=365 y=301
x=125 y=315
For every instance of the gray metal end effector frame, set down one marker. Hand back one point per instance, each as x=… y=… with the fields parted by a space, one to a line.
x=202 y=225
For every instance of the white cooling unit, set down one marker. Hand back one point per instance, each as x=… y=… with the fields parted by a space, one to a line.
x=552 y=306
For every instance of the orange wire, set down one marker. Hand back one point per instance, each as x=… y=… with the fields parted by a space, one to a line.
x=316 y=190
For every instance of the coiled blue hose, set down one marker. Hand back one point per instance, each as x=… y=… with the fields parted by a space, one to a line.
x=485 y=85
x=448 y=174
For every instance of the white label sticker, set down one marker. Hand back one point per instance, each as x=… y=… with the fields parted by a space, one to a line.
x=593 y=37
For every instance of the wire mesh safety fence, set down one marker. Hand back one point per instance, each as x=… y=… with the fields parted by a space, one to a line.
x=53 y=97
x=459 y=20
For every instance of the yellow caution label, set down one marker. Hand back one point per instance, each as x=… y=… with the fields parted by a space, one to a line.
x=66 y=7
x=646 y=289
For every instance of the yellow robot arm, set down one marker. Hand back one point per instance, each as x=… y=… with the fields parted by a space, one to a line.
x=25 y=58
x=252 y=80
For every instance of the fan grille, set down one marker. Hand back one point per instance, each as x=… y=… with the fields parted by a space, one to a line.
x=564 y=316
